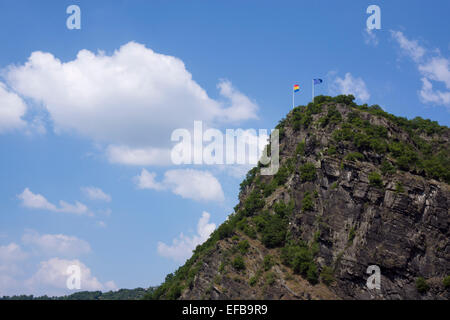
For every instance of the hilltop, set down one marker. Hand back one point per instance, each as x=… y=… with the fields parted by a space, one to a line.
x=356 y=187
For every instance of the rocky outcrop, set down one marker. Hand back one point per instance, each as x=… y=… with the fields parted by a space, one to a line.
x=396 y=219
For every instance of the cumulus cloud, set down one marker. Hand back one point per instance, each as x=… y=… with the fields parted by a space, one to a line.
x=56 y=244
x=187 y=183
x=433 y=68
x=146 y=180
x=10 y=255
x=182 y=247
x=94 y=193
x=144 y=156
x=52 y=275
x=38 y=201
x=409 y=47
x=11 y=258
x=12 y=110
x=131 y=100
x=351 y=85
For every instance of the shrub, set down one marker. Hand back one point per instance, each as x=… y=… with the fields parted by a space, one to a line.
x=243 y=246
x=270 y=278
x=250 y=231
x=327 y=275
x=307 y=172
x=253 y=203
x=282 y=209
x=375 y=179
x=268 y=262
x=333 y=117
x=399 y=187
x=353 y=156
x=274 y=232
x=225 y=231
x=249 y=178
x=331 y=150
x=281 y=176
x=422 y=285
x=307 y=202
x=387 y=167
x=312 y=275
x=351 y=234
x=253 y=281
x=238 y=263
x=300 y=149
x=446 y=282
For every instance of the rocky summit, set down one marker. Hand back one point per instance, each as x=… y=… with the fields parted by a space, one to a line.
x=357 y=187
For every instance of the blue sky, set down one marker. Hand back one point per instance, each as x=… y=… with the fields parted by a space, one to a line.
x=93 y=129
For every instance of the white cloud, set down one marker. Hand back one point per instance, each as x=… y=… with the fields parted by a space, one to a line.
x=437 y=69
x=52 y=276
x=11 y=258
x=38 y=201
x=12 y=109
x=56 y=244
x=182 y=247
x=351 y=85
x=370 y=38
x=94 y=193
x=428 y=95
x=146 y=180
x=187 y=183
x=131 y=100
x=10 y=255
x=409 y=47
x=432 y=68
x=144 y=156
x=241 y=107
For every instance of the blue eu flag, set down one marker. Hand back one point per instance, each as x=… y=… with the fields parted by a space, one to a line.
x=317 y=81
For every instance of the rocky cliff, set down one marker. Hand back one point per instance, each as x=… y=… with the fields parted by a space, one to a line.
x=356 y=187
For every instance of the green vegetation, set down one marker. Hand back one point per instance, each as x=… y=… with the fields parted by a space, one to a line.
x=279 y=179
x=351 y=234
x=375 y=180
x=249 y=178
x=307 y=202
x=446 y=282
x=331 y=150
x=246 y=228
x=399 y=187
x=300 y=258
x=307 y=172
x=327 y=275
x=333 y=117
x=253 y=280
x=394 y=143
x=270 y=278
x=272 y=228
x=253 y=203
x=422 y=285
x=243 y=246
x=387 y=168
x=268 y=262
x=238 y=263
x=353 y=156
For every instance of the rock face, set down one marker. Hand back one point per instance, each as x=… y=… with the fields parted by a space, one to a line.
x=356 y=209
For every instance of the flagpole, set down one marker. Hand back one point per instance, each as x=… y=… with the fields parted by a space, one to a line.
x=293 y=99
x=312 y=83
